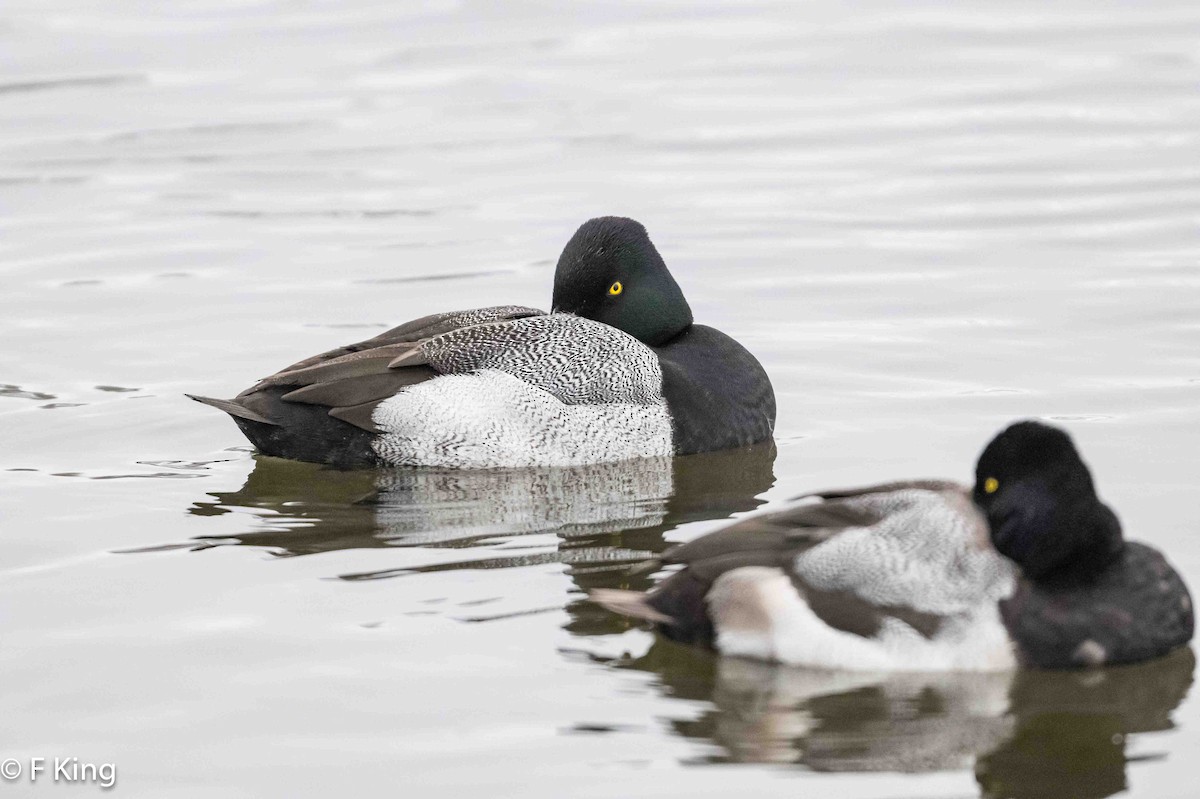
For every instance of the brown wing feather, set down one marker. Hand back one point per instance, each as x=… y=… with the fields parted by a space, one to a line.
x=343 y=367
x=885 y=488
x=791 y=529
x=361 y=416
x=351 y=381
x=423 y=328
x=342 y=392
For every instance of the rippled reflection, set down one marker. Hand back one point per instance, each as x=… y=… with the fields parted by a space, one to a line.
x=1072 y=732
x=1025 y=734
x=306 y=509
x=1028 y=734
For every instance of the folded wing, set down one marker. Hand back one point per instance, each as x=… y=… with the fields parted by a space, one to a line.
x=351 y=381
x=914 y=553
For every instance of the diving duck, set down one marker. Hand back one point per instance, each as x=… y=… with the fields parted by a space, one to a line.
x=617 y=370
x=1026 y=568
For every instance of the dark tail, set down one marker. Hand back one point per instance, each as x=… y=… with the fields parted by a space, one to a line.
x=677 y=606
x=233 y=408
x=628 y=603
x=295 y=430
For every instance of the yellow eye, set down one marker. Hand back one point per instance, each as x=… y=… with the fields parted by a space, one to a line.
x=615 y=289
x=990 y=485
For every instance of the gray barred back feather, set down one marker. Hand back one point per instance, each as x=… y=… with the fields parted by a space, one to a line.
x=928 y=551
x=548 y=390
x=579 y=361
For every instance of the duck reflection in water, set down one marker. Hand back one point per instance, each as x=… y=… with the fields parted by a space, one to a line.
x=605 y=513
x=1025 y=733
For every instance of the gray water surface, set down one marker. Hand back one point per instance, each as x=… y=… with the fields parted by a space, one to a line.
x=925 y=219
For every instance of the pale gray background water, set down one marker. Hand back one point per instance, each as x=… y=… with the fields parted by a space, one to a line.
x=925 y=219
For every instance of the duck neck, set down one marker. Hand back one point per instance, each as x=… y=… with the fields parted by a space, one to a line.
x=658 y=312
x=1099 y=547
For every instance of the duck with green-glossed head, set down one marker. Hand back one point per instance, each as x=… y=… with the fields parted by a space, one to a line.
x=610 y=272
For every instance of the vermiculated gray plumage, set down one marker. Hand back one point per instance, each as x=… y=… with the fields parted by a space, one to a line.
x=897 y=577
x=548 y=390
